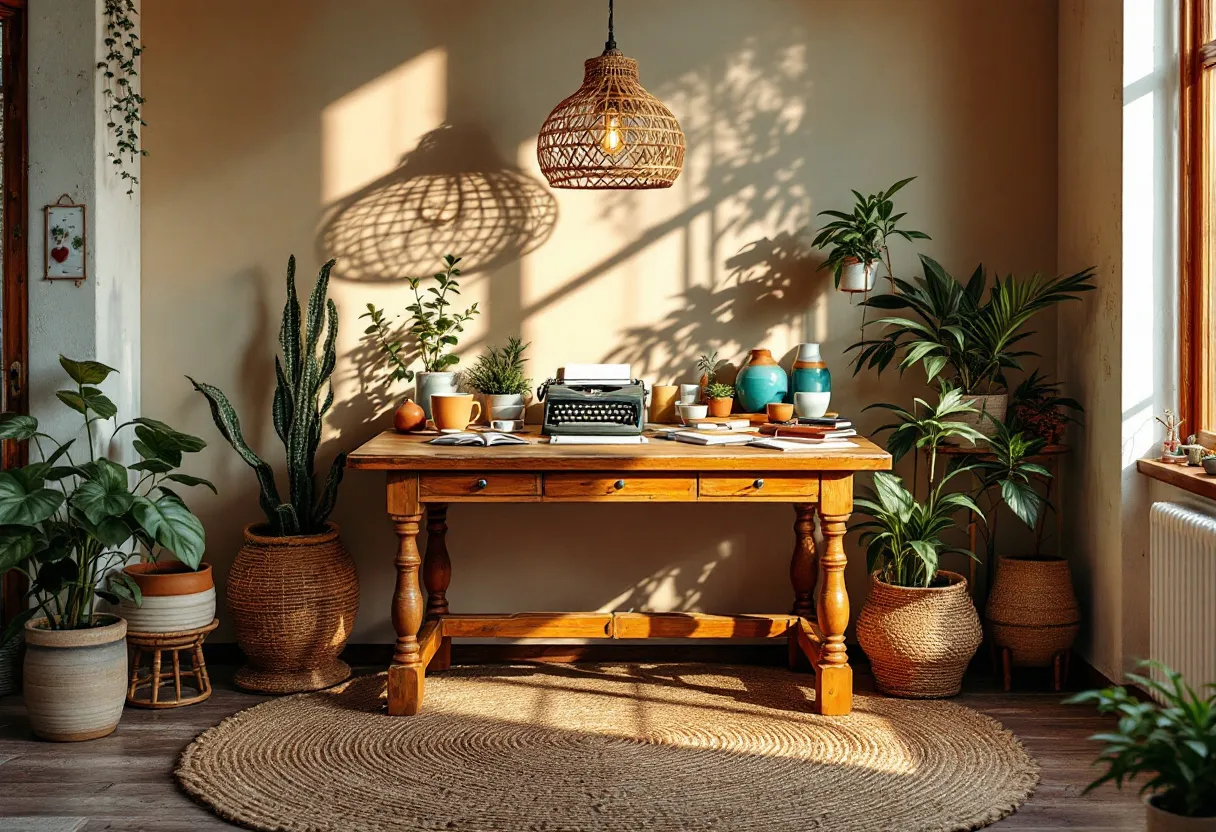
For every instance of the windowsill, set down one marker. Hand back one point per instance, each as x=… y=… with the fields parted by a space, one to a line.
x=1186 y=477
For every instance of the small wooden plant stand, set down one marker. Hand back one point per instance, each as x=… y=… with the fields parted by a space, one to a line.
x=155 y=645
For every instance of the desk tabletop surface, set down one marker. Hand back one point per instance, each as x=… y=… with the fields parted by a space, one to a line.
x=397 y=451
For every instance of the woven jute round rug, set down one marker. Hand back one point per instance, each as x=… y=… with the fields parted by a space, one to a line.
x=619 y=748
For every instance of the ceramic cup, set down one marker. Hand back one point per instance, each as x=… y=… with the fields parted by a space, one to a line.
x=779 y=411
x=454 y=411
x=811 y=405
x=690 y=413
x=690 y=393
x=1209 y=465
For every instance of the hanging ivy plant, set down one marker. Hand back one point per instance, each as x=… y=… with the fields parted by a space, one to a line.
x=123 y=101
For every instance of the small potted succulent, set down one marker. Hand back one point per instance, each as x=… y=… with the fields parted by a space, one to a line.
x=65 y=522
x=435 y=327
x=1171 y=742
x=858 y=240
x=498 y=377
x=720 y=398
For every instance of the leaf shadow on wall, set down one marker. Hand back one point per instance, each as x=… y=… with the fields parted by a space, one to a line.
x=453 y=194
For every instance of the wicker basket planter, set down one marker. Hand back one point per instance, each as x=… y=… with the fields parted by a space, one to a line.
x=75 y=680
x=1033 y=610
x=293 y=602
x=919 y=640
x=994 y=406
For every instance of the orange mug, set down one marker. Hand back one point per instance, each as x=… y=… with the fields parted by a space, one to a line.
x=454 y=411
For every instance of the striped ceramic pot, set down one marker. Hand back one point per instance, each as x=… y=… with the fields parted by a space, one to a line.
x=75 y=680
x=175 y=598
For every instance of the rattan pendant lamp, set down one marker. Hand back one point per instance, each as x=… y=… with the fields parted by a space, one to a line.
x=611 y=133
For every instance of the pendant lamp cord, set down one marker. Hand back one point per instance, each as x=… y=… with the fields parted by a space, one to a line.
x=610 y=44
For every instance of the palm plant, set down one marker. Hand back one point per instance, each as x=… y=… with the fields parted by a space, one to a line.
x=954 y=331
x=862 y=235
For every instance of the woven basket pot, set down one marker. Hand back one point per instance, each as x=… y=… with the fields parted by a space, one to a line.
x=919 y=640
x=1033 y=610
x=994 y=406
x=293 y=602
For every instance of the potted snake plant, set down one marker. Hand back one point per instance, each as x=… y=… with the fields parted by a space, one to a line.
x=292 y=591
x=65 y=522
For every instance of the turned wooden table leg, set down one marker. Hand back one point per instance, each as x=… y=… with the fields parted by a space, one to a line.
x=833 y=676
x=802 y=574
x=436 y=576
x=406 y=675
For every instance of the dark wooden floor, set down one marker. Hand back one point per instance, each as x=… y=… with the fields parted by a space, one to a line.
x=125 y=782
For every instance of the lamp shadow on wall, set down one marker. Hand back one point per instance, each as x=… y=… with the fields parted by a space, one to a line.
x=453 y=194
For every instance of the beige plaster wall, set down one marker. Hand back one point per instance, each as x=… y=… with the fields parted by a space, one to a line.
x=272 y=133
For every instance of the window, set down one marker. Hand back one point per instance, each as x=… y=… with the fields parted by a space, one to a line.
x=1197 y=213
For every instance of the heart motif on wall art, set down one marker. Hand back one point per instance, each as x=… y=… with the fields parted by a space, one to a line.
x=59 y=254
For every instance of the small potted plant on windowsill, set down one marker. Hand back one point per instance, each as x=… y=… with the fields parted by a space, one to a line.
x=434 y=326
x=1173 y=744
x=858 y=240
x=65 y=521
x=498 y=378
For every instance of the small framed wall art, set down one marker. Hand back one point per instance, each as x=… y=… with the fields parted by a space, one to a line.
x=65 y=240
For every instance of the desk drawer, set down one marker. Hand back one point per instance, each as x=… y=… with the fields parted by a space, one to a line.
x=624 y=487
x=477 y=486
x=784 y=488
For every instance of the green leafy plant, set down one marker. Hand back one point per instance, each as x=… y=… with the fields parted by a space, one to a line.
x=124 y=103
x=954 y=331
x=718 y=390
x=707 y=368
x=434 y=324
x=1173 y=744
x=65 y=521
x=903 y=537
x=1036 y=407
x=500 y=370
x=303 y=395
x=861 y=236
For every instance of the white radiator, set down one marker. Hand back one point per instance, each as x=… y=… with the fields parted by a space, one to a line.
x=1182 y=604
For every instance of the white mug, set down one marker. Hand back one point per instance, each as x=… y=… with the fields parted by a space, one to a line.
x=690 y=412
x=690 y=393
x=811 y=405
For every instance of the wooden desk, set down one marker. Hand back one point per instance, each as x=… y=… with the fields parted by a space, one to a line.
x=423 y=475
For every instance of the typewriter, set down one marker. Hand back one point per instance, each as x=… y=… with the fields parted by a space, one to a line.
x=599 y=405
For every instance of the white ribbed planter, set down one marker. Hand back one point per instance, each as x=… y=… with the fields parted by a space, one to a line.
x=174 y=598
x=857 y=277
x=75 y=680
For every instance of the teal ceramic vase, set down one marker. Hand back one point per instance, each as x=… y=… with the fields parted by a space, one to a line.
x=760 y=382
x=811 y=375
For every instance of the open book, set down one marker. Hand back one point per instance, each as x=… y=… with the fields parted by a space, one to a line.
x=484 y=438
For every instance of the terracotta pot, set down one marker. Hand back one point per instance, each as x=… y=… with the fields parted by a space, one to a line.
x=1160 y=820
x=1032 y=609
x=293 y=602
x=175 y=597
x=919 y=640
x=720 y=407
x=409 y=417
x=75 y=680
x=994 y=406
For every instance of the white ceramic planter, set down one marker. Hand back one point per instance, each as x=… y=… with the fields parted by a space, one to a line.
x=174 y=598
x=75 y=680
x=430 y=384
x=1161 y=821
x=501 y=407
x=857 y=277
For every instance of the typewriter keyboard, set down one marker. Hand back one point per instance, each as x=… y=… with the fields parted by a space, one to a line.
x=616 y=413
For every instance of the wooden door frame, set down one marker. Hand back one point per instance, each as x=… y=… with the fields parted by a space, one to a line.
x=14 y=351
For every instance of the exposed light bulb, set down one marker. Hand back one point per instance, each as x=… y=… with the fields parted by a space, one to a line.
x=613 y=141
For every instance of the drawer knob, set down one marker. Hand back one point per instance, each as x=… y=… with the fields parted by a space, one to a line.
x=480 y=484
x=758 y=484
x=618 y=485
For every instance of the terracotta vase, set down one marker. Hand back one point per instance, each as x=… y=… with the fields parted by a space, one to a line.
x=409 y=417
x=293 y=602
x=75 y=680
x=919 y=639
x=175 y=597
x=720 y=407
x=1159 y=820
x=1032 y=610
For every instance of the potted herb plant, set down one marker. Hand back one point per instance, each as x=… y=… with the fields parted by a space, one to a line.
x=435 y=327
x=65 y=521
x=498 y=377
x=292 y=591
x=858 y=240
x=719 y=398
x=1171 y=742
x=960 y=335
x=918 y=626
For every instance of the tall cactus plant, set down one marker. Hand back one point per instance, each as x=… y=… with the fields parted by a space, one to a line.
x=299 y=409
